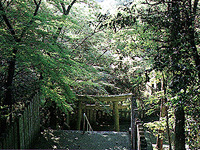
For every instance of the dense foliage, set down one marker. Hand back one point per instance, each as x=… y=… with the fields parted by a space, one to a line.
x=66 y=47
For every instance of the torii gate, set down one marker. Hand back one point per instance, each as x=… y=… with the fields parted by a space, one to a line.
x=115 y=99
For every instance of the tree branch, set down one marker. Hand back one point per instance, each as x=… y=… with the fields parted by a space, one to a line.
x=35 y=2
x=7 y=22
x=195 y=7
x=4 y=2
x=8 y=3
x=86 y=39
x=164 y=2
x=102 y=54
x=89 y=35
x=35 y=13
x=66 y=12
x=153 y=3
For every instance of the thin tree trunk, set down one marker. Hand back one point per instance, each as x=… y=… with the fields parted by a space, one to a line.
x=168 y=131
x=159 y=142
x=179 y=128
x=166 y=112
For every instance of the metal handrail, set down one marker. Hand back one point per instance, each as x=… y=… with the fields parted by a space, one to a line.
x=89 y=127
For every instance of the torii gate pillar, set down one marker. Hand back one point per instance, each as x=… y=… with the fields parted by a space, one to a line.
x=116 y=115
x=78 y=125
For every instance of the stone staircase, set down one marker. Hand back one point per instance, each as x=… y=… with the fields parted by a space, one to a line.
x=68 y=139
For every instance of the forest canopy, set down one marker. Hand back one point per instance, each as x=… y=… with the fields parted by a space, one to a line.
x=64 y=48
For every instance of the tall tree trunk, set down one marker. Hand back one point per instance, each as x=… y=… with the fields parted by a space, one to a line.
x=193 y=46
x=8 y=100
x=179 y=128
x=53 y=113
x=176 y=29
x=190 y=30
x=9 y=82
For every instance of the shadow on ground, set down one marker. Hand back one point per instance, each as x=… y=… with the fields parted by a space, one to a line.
x=67 y=139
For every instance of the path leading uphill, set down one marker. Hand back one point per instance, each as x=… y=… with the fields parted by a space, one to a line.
x=66 y=139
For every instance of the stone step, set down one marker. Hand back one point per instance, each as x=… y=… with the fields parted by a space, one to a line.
x=72 y=139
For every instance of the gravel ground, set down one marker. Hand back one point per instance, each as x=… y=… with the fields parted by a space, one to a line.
x=66 y=139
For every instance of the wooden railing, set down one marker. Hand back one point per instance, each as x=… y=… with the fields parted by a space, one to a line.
x=141 y=140
x=138 y=139
x=133 y=128
x=20 y=127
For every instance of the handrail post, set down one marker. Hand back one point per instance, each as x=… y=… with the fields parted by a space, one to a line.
x=89 y=127
x=133 y=123
x=83 y=123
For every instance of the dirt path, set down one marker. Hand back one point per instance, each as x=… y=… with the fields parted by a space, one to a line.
x=65 y=139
